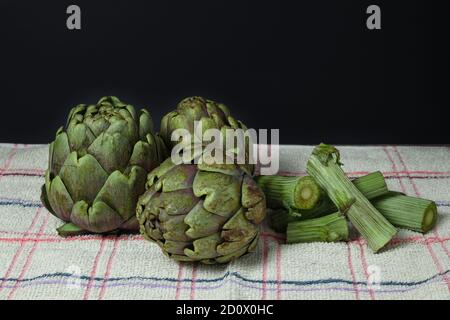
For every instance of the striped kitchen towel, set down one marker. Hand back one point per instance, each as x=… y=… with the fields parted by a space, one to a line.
x=36 y=263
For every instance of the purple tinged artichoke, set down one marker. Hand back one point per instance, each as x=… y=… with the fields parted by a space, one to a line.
x=98 y=166
x=207 y=213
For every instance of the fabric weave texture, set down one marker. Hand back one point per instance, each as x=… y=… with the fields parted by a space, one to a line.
x=35 y=263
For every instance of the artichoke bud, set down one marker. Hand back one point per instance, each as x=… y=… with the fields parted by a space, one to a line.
x=98 y=165
x=196 y=115
x=207 y=213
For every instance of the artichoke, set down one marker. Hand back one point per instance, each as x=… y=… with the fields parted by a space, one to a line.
x=205 y=212
x=98 y=166
x=210 y=115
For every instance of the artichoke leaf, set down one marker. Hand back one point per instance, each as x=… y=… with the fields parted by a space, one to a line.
x=238 y=228
x=83 y=177
x=132 y=126
x=232 y=256
x=76 y=114
x=175 y=247
x=229 y=248
x=180 y=177
x=120 y=126
x=45 y=202
x=161 y=148
x=131 y=224
x=193 y=108
x=204 y=248
x=224 y=109
x=254 y=243
x=182 y=258
x=257 y=213
x=80 y=137
x=144 y=155
x=159 y=171
x=59 y=150
x=174 y=229
x=165 y=129
x=98 y=218
x=202 y=223
x=132 y=111
x=251 y=193
x=222 y=192
x=69 y=229
x=112 y=151
x=120 y=192
x=207 y=164
x=58 y=197
x=145 y=124
x=97 y=124
x=178 y=202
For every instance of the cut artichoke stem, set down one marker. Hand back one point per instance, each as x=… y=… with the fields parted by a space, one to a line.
x=330 y=228
x=411 y=213
x=290 y=192
x=371 y=186
x=325 y=167
x=69 y=230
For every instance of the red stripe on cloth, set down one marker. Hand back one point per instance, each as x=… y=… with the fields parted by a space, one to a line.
x=55 y=239
x=273 y=236
x=108 y=269
x=265 y=254
x=416 y=191
x=436 y=261
x=394 y=167
x=179 y=282
x=28 y=260
x=364 y=266
x=438 y=265
x=8 y=161
x=352 y=271
x=278 y=267
x=26 y=170
x=94 y=270
x=22 y=242
x=386 y=173
x=193 y=278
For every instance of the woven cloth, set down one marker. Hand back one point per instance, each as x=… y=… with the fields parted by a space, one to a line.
x=36 y=263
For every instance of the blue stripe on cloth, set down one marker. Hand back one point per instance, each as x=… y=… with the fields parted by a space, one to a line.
x=20 y=202
x=222 y=278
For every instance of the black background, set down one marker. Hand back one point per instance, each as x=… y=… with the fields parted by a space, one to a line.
x=311 y=69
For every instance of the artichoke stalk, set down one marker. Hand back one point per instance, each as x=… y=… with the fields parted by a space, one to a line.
x=329 y=228
x=98 y=166
x=325 y=167
x=205 y=212
x=371 y=186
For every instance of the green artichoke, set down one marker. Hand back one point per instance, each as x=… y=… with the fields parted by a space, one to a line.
x=207 y=213
x=98 y=166
x=210 y=115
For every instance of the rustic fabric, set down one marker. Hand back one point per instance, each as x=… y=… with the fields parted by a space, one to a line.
x=36 y=263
